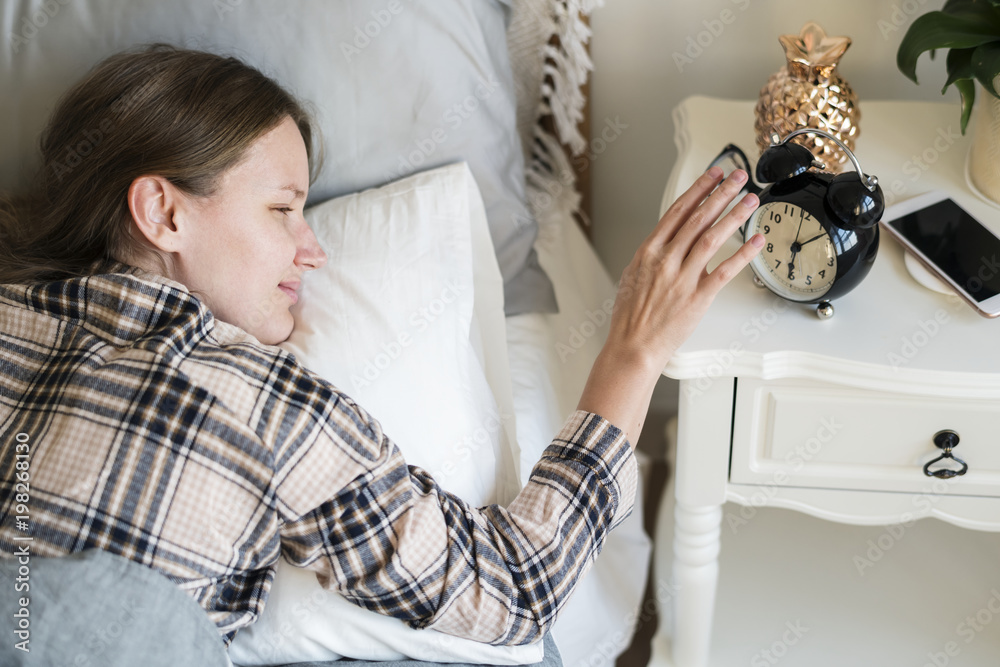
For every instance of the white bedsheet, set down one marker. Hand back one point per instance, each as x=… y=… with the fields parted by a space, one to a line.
x=550 y=358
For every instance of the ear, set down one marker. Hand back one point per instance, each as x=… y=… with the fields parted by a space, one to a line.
x=152 y=201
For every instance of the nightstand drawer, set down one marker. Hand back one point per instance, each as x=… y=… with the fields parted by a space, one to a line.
x=799 y=433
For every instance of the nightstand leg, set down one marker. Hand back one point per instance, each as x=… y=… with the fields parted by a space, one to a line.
x=695 y=573
x=687 y=567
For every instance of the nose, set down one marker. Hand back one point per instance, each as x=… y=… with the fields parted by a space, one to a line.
x=309 y=253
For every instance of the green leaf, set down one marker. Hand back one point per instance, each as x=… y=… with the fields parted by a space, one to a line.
x=982 y=9
x=959 y=66
x=937 y=30
x=986 y=12
x=986 y=65
x=967 y=88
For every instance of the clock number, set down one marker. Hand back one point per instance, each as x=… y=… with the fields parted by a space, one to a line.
x=767 y=229
x=770 y=247
x=822 y=274
x=809 y=280
x=830 y=263
x=791 y=275
x=786 y=209
x=777 y=263
x=776 y=217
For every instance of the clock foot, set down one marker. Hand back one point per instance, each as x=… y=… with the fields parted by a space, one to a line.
x=757 y=281
x=824 y=310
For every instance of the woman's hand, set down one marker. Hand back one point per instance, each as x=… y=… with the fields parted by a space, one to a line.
x=666 y=289
x=663 y=294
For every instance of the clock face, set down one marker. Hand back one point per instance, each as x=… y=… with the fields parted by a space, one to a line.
x=798 y=261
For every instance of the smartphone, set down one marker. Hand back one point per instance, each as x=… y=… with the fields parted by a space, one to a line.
x=952 y=245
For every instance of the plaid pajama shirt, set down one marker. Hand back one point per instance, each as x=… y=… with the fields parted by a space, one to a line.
x=181 y=442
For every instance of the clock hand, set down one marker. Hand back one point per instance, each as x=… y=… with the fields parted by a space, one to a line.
x=802 y=217
x=813 y=239
x=796 y=246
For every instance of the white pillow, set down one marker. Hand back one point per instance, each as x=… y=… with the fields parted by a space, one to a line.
x=406 y=317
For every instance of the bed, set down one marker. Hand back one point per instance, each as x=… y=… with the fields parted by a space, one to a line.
x=430 y=111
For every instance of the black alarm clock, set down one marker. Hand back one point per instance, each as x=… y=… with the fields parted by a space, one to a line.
x=820 y=230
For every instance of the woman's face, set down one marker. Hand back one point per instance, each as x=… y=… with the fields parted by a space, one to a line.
x=248 y=245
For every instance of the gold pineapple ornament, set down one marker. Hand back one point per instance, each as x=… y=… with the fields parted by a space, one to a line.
x=810 y=93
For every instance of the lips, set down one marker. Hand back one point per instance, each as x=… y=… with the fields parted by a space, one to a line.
x=291 y=289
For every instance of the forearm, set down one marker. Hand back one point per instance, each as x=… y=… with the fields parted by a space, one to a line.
x=619 y=389
x=405 y=548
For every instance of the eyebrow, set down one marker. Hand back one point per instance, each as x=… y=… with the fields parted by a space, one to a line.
x=299 y=194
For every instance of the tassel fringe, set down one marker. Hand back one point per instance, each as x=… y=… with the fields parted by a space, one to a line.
x=558 y=72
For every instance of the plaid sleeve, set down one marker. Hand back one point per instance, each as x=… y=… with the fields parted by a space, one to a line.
x=389 y=539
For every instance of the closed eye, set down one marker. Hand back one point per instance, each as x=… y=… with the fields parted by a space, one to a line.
x=285 y=210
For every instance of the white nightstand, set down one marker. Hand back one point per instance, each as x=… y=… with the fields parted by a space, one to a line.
x=834 y=419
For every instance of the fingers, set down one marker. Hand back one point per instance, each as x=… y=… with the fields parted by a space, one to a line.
x=709 y=211
x=711 y=239
x=684 y=206
x=687 y=233
x=728 y=269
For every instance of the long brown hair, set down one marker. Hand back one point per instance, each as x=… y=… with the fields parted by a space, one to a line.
x=185 y=115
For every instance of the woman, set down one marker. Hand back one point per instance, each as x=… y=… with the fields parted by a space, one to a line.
x=144 y=288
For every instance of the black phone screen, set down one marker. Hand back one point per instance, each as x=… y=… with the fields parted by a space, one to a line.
x=958 y=244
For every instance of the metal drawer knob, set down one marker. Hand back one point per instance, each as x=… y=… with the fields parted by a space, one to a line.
x=946 y=440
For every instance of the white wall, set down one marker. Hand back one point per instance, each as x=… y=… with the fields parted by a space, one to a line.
x=638 y=80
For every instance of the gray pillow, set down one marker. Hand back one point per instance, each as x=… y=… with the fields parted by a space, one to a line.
x=94 y=608
x=397 y=86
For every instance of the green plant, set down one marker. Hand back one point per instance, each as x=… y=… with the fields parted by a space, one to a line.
x=970 y=30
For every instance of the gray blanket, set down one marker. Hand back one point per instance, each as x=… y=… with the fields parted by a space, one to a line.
x=94 y=608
